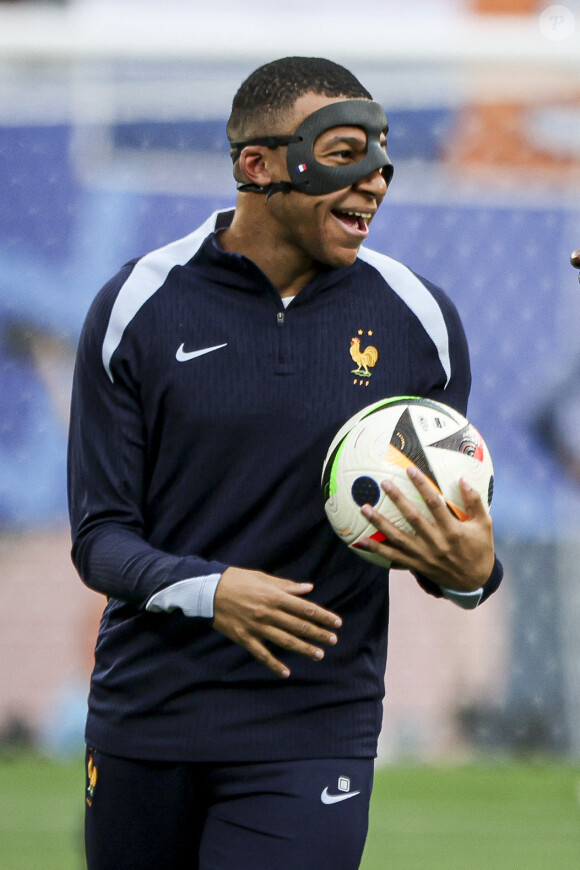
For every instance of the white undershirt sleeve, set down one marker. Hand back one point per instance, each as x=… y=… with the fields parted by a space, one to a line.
x=194 y=596
x=465 y=600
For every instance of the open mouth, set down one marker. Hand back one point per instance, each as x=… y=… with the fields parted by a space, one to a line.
x=354 y=220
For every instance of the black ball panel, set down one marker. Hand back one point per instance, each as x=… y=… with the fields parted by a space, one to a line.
x=365 y=490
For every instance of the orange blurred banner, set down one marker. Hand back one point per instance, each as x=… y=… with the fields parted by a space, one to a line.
x=505 y=7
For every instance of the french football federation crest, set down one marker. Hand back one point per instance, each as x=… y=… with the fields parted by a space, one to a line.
x=365 y=359
x=91 y=780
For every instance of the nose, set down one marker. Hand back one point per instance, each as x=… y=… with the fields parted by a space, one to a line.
x=374 y=183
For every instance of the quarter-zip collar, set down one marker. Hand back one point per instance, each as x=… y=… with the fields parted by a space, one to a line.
x=237 y=271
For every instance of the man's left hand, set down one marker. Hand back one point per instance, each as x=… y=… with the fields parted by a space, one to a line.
x=455 y=554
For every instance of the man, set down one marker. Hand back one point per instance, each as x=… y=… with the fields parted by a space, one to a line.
x=237 y=694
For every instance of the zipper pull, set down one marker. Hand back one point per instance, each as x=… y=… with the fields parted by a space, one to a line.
x=280 y=318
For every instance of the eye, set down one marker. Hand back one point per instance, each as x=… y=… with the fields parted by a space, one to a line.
x=344 y=154
x=340 y=149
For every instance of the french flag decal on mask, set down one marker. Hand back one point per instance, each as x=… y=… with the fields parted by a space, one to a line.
x=302 y=167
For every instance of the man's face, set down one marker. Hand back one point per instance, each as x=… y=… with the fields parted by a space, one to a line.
x=328 y=228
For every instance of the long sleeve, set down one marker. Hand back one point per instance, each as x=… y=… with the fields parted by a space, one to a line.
x=456 y=394
x=108 y=457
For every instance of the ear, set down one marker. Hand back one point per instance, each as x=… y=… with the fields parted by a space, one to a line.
x=255 y=163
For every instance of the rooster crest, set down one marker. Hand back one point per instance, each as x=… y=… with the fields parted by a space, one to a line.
x=92 y=780
x=365 y=359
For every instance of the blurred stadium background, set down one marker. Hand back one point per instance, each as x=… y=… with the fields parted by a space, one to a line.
x=112 y=141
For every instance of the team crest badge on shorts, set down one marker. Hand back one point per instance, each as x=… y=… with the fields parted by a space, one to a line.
x=364 y=358
x=92 y=775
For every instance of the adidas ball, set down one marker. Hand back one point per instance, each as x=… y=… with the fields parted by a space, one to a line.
x=381 y=442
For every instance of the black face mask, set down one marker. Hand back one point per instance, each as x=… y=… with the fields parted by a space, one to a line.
x=310 y=176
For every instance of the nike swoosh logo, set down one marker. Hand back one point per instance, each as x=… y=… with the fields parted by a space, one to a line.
x=327 y=798
x=184 y=356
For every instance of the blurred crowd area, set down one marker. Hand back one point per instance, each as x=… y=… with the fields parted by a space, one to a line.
x=106 y=156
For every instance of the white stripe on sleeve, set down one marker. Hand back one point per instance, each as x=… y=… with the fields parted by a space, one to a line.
x=417 y=297
x=146 y=278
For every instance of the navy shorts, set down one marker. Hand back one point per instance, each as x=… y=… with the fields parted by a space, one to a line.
x=293 y=815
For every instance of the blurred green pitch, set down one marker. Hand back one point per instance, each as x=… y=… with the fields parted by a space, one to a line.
x=487 y=816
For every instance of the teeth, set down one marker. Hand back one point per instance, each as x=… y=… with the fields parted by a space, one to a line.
x=363 y=214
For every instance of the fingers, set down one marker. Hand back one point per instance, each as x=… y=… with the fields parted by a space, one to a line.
x=309 y=610
x=474 y=507
x=285 y=631
x=396 y=546
x=435 y=502
x=431 y=496
x=256 y=644
x=293 y=614
x=295 y=632
x=417 y=520
x=450 y=552
x=255 y=609
x=260 y=651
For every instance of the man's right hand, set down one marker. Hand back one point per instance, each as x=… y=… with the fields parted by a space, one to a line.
x=251 y=607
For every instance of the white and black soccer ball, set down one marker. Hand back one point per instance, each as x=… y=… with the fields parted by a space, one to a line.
x=380 y=443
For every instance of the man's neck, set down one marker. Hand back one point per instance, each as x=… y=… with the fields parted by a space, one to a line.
x=252 y=235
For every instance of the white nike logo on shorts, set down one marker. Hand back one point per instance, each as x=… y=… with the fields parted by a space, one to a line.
x=327 y=798
x=183 y=356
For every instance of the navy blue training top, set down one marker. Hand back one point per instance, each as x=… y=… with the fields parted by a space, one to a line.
x=181 y=465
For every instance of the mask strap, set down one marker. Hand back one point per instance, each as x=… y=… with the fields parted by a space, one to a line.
x=268 y=141
x=276 y=187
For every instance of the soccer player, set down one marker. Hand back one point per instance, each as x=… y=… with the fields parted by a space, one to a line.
x=236 y=698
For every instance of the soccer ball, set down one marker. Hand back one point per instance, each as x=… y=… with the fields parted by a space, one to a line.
x=381 y=442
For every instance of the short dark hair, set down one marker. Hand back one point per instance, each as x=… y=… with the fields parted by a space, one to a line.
x=273 y=88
